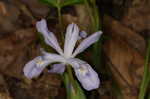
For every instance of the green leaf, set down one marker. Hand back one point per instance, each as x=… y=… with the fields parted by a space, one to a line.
x=61 y=3
x=71 y=2
x=71 y=92
x=146 y=80
x=53 y=3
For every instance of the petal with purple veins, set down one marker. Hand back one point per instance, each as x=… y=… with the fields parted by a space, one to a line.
x=86 y=75
x=57 y=68
x=35 y=67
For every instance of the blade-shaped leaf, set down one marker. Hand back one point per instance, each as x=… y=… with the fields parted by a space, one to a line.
x=61 y=3
x=53 y=3
x=146 y=80
x=71 y=2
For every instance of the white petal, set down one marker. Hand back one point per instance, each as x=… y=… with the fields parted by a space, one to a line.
x=86 y=75
x=34 y=67
x=87 y=42
x=71 y=38
x=49 y=37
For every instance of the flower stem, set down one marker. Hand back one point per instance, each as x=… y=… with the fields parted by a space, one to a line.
x=60 y=21
x=71 y=93
x=69 y=70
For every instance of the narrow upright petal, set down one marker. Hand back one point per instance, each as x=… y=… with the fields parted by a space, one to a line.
x=71 y=38
x=87 y=42
x=57 y=68
x=49 y=37
x=86 y=75
x=34 y=67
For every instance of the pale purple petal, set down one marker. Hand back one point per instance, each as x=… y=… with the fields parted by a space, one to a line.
x=79 y=37
x=87 y=42
x=71 y=38
x=53 y=57
x=34 y=67
x=49 y=37
x=57 y=68
x=86 y=75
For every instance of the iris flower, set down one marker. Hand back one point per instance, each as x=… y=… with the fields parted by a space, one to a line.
x=85 y=74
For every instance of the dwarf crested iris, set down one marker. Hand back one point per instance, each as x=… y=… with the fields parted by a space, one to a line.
x=85 y=74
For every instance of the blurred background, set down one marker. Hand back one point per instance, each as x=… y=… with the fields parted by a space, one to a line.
x=123 y=69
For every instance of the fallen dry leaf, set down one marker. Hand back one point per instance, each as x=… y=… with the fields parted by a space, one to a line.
x=4 y=93
x=4 y=96
x=126 y=65
x=83 y=17
x=138 y=16
x=3 y=8
x=50 y=85
x=115 y=28
x=8 y=20
x=15 y=50
x=37 y=8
